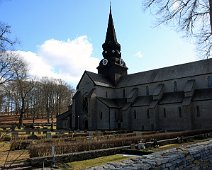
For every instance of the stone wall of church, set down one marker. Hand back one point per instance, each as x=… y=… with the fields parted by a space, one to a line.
x=141 y=118
x=202 y=114
x=173 y=117
x=103 y=119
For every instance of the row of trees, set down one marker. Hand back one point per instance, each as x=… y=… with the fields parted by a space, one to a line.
x=21 y=94
x=35 y=99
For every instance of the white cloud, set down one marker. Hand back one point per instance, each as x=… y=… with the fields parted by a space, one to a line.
x=139 y=54
x=66 y=60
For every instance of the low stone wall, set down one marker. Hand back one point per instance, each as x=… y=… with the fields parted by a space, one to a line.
x=38 y=162
x=196 y=156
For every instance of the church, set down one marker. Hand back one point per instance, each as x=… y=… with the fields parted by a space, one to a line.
x=171 y=98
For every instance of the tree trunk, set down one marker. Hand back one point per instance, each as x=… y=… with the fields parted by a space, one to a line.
x=210 y=13
x=21 y=113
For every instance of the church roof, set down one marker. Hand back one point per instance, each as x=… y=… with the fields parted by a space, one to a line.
x=99 y=79
x=143 y=101
x=64 y=115
x=113 y=103
x=173 y=97
x=158 y=75
x=167 y=73
x=202 y=94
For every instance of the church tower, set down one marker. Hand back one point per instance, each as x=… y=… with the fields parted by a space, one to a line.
x=112 y=66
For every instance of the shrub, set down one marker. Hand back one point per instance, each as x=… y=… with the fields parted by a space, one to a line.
x=63 y=146
x=6 y=138
x=20 y=144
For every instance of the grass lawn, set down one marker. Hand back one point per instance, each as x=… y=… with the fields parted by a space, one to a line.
x=79 y=165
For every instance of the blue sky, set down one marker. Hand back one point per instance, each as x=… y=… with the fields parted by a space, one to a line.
x=62 y=38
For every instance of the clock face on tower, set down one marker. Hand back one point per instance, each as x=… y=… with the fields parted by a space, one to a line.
x=121 y=62
x=104 y=62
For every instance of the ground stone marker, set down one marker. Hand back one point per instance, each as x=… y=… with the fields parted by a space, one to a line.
x=48 y=135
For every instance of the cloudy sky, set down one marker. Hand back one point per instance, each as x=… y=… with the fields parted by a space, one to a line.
x=62 y=38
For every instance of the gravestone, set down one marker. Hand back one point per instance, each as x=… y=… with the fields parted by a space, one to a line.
x=132 y=146
x=14 y=135
x=48 y=135
x=141 y=146
x=28 y=131
x=39 y=131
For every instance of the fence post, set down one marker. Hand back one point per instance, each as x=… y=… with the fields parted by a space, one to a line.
x=53 y=156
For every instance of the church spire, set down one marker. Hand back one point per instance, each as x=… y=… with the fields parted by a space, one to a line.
x=112 y=66
x=111 y=40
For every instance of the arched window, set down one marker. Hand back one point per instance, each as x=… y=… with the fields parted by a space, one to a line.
x=147 y=114
x=198 y=112
x=175 y=86
x=85 y=104
x=147 y=90
x=180 y=112
x=134 y=113
x=164 y=112
x=123 y=93
x=100 y=115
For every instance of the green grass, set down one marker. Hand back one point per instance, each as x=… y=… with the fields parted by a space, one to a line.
x=79 y=165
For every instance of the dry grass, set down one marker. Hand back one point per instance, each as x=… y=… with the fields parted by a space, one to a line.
x=14 y=119
x=7 y=155
x=79 y=165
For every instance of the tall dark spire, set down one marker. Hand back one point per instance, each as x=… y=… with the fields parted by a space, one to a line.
x=112 y=66
x=111 y=40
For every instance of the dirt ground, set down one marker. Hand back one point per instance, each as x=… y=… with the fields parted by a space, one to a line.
x=13 y=119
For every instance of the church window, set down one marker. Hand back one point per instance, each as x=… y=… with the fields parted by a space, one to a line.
x=209 y=81
x=134 y=113
x=164 y=112
x=147 y=90
x=175 y=86
x=142 y=127
x=101 y=116
x=123 y=93
x=152 y=126
x=116 y=116
x=148 y=113
x=85 y=104
x=180 y=112
x=198 y=112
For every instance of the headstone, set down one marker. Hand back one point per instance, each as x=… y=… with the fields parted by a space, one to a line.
x=39 y=132
x=45 y=130
x=141 y=146
x=14 y=135
x=48 y=135
x=132 y=146
x=28 y=131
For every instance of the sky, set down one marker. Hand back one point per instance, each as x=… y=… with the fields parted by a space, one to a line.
x=63 y=38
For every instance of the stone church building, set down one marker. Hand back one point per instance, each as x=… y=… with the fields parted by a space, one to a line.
x=171 y=98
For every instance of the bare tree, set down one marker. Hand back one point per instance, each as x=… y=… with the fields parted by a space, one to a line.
x=8 y=61
x=192 y=16
x=5 y=41
x=22 y=88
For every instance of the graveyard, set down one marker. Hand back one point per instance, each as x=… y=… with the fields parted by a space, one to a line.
x=41 y=145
